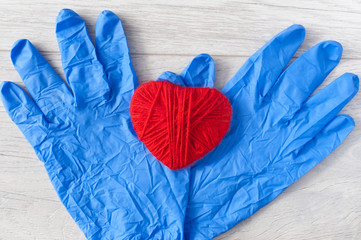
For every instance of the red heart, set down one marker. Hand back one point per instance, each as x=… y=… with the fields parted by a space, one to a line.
x=179 y=125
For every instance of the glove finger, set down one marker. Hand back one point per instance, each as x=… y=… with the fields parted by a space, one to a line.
x=171 y=77
x=317 y=111
x=199 y=72
x=83 y=71
x=48 y=90
x=301 y=78
x=24 y=113
x=113 y=52
x=262 y=69
x=320 y=146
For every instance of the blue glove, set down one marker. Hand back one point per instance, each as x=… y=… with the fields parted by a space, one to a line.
x=276 y=135
x=108 y=181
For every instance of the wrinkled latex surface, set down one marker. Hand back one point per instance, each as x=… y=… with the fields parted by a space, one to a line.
x=276 y=135
x=108 y=181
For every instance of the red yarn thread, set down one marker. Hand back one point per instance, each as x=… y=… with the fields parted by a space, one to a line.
x=179 y=125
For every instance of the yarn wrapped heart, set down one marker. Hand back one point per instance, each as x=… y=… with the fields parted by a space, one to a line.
x=179 y=125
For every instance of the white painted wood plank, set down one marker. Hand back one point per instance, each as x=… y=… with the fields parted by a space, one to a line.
x=187 y=27
x=165 y=35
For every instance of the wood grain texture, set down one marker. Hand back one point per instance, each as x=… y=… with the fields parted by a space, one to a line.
x=166 y=35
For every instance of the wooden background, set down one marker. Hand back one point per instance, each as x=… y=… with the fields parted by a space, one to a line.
x=166 y=35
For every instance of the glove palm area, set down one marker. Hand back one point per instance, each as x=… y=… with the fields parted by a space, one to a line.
x=106 y=178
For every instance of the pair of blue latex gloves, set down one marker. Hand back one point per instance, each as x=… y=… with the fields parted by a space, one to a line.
x=111 y=184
